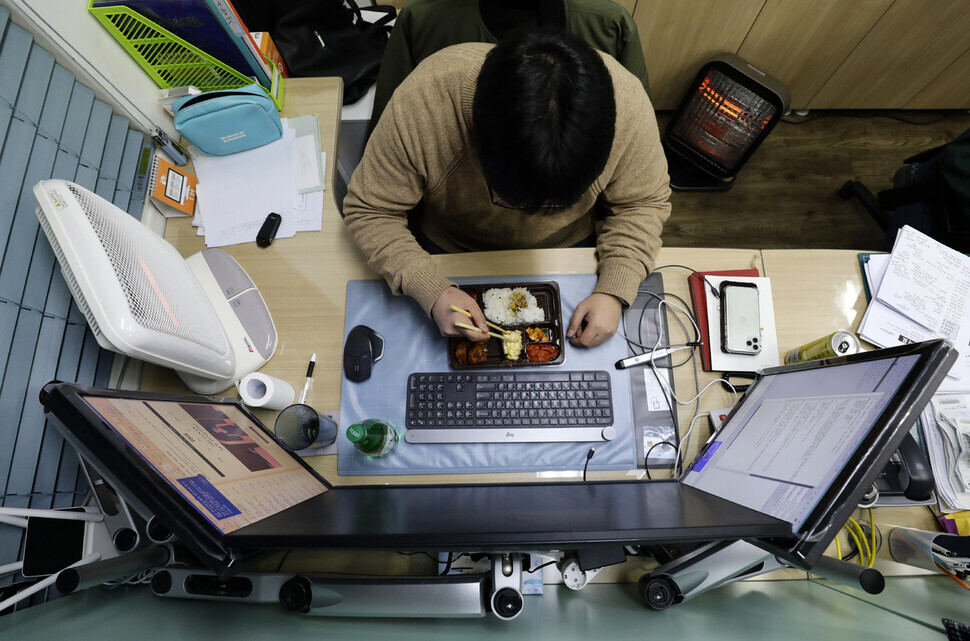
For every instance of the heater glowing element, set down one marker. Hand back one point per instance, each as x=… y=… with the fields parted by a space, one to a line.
x=729 y=109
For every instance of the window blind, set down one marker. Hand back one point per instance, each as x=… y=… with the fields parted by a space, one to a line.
x=51 y=126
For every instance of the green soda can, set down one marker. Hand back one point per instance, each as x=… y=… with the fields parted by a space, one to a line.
x=838 y=343
x=373 y=437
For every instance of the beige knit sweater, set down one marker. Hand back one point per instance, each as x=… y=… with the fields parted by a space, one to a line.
x=422 y=149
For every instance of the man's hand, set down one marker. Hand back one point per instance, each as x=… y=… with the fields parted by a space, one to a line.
x=446 y=317
x=594 y=320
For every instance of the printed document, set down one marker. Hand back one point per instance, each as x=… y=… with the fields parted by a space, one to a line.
x=946 y=429
x=920 y=292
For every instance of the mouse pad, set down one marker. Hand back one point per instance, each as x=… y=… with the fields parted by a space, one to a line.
x=413 y=344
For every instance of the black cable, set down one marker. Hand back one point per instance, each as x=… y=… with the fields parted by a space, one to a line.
x=589 y=455
x=539 y=567
x=279 y=568
x=646 y=457
x=447 y=563
x=714 y=291
x=691 y=354
x=427 y=554
x=123 y=372
x=848 y=114
x=696 y=333
x=691 y=357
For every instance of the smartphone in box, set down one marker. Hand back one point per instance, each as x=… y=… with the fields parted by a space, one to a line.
x=740 y=318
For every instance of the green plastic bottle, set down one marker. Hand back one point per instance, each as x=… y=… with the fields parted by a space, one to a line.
x=373 y=437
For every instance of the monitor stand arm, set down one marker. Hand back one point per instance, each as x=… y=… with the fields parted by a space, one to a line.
x=723 y=562
x=458 y=595
x=453 y=595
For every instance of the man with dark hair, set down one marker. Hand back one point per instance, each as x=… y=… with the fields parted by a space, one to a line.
x=424 y=27
x=544 y=116
x=511 y=147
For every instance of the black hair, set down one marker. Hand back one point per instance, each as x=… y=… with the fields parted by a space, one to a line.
x=544 y=118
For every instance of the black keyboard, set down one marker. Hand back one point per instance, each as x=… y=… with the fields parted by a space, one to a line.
x=513 y=406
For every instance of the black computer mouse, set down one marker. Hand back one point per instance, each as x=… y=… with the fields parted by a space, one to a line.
x=363 y=348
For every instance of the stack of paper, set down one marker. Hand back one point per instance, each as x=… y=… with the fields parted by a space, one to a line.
x=237 y=192
x=947 y=419
x=921 y=291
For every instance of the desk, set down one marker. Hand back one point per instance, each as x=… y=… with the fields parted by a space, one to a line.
x=303 y=280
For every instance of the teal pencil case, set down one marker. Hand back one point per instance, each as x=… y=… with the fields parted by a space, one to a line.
x=219 y=123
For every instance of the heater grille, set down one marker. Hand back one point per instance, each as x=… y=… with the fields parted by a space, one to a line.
x=159 y=289
x=726 y=113
x=723 y=120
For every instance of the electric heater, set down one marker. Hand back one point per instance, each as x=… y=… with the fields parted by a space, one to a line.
x=729 y=109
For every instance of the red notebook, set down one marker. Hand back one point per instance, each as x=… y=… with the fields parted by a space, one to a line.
x=699 y=300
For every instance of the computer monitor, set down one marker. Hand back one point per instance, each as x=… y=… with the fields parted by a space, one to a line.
x=807 y=440
x=168 y=457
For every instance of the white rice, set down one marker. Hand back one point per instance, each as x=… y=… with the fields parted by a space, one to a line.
x=499 y=308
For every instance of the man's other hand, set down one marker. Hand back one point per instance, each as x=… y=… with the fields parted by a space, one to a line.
x=594 y=320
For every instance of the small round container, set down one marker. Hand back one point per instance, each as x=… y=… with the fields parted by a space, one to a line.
x=299 y=426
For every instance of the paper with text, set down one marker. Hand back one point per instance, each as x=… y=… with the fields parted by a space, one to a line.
x=885 y=325
x=927 y=281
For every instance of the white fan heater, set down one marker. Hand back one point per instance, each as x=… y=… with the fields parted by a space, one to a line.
x=201 y=316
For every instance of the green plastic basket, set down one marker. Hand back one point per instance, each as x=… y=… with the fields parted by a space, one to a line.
x=170 y=60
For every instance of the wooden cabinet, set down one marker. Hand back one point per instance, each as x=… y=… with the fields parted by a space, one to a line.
x=679 y=36
x=805 y=43
x=832 y=54
x=909 y=47
x=949 y=90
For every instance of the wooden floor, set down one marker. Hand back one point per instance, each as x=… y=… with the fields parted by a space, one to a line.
x=786 y=196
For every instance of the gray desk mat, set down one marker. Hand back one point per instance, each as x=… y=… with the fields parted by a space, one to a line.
x=413 y=344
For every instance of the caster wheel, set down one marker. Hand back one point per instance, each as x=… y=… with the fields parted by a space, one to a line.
x=659 y=592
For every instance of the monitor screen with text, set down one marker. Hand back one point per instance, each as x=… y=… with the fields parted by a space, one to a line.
x=784 y=445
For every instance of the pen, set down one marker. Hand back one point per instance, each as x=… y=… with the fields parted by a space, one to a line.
x=309 y=378
x=646 y=357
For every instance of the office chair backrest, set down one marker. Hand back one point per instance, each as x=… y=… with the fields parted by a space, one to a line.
x=932 y=193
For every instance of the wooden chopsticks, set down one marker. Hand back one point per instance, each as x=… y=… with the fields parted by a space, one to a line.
x=467 y=313
x=478 y=329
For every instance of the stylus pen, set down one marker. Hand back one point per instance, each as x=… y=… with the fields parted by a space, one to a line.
x=309 y=378
x=646 y=357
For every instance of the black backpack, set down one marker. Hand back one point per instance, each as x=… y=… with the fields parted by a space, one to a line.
x=324 y=38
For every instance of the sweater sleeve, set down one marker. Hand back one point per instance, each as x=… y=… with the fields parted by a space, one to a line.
x=636 y=196
x=416 y=137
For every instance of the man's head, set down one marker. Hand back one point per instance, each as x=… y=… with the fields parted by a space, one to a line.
x=544 y=117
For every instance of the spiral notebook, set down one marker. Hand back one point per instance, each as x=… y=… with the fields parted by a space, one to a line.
x=172 y=188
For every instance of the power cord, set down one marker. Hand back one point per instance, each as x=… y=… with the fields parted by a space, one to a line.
x=589 y=456
x=867 y=114
x=646 y=457
x=677 y=311
x=691 y=344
